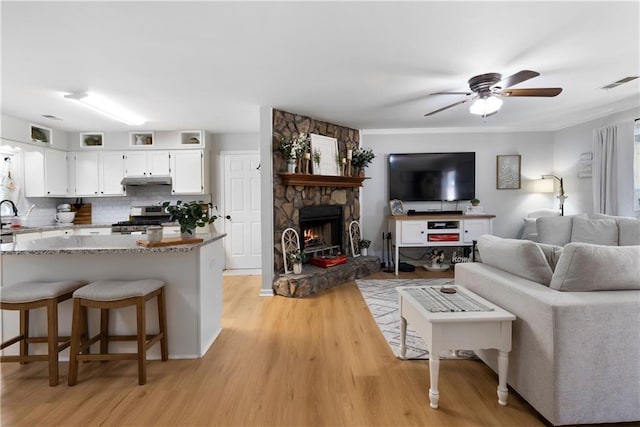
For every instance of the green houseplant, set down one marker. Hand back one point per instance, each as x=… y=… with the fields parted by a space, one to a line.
x=296 y=258
x=190 y=215
x=362 y=157
x=364 y=246
x=475 y=202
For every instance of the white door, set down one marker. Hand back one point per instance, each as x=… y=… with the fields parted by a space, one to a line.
x=158 y=163
x=55 y=172
x=135 y=163
x=241 y=209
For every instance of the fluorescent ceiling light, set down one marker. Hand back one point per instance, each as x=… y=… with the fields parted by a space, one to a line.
x=107 y=107
x=486 y=106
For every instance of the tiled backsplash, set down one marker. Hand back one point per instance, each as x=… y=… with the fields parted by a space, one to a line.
x=107 y=210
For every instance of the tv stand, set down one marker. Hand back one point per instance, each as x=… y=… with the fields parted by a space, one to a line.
x=437 y=229
x=413 y=212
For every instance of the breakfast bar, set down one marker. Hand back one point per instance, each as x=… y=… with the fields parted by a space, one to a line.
x=192 y=273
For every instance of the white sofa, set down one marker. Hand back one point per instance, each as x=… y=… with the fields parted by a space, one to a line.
x=576 y=340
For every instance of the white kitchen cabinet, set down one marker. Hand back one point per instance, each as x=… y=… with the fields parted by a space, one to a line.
x=45 y=173
x=57 y=233
x=25 y=237
x=189 y=172
x=111 y=174
x=99 y=173
x=93 y=231
x=152 y=163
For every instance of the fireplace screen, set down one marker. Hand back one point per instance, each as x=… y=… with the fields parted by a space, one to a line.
x=321 y=230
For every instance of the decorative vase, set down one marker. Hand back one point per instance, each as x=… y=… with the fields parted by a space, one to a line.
x=297 y=268
x=291 y=166
x=363 y=251
x=189 y=234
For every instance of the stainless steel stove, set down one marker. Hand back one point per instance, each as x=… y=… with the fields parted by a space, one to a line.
x=140 y=217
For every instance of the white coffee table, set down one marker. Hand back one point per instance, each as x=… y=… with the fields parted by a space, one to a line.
x=455 y=330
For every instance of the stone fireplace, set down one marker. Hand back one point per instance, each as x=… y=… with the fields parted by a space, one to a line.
x=321 y=230
x=291 y=203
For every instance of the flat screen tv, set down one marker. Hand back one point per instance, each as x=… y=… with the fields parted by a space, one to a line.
x=428 y=177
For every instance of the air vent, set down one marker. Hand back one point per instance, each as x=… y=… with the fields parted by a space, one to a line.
x=52 y=117
x=619 y=82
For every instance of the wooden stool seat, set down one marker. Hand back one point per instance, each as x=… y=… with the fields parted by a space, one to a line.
x=26 y=296
x=108 y=294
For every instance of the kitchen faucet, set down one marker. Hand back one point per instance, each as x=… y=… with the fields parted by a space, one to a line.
x=13 y=206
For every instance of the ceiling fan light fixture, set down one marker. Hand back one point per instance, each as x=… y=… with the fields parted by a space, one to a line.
x=485 y=105
x=106 y=107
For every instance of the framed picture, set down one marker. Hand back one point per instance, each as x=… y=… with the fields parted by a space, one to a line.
x=508 y=172
x=324 y=155
x=397 y=208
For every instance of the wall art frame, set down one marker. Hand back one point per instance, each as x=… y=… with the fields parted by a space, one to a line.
x=396 y=206
x=328 y=148
x=508 y=172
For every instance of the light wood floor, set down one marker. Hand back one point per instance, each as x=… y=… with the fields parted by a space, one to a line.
x=318 y=361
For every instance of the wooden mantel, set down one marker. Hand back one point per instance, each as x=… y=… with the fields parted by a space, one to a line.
x=309 y=180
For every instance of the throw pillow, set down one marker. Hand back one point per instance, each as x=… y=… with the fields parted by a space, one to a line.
x=551 y=253
x=554 y=230
x=530 y=231
x=629 y=229
x=520 y=257
x=596 y=231
x=587 y=267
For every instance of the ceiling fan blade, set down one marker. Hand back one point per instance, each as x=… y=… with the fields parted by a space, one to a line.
x=452 y=93
x=541 y=91
x=447 y=107
x=516 y=78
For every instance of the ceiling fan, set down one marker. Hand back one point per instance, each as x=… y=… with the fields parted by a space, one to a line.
x=486 y=90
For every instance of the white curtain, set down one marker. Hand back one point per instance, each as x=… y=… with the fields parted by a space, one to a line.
x=605 y=192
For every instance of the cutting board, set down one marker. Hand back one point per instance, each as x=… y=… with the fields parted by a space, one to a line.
x=83 y=214
x=170 y=241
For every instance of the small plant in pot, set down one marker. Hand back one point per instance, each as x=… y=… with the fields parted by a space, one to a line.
x=475 y=202
x=190 y=215
x=296 y=258
x=364 y=246
x=362 y=157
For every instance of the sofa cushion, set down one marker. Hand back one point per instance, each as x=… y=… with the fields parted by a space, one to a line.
x=520 y=257
x=551 y=253
x=554 y=230
x=596 y=231
x=530 y=231
x=628 y=229
x=587 y=267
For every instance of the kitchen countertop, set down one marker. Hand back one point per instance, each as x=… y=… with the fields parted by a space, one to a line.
x=41 y=228
x=117 y=243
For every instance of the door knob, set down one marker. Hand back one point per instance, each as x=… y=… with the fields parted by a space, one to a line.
x=228 y=216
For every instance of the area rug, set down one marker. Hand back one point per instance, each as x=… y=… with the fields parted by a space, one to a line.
x=382 y=299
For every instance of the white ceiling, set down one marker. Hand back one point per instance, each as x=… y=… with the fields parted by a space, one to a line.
x=367 y=65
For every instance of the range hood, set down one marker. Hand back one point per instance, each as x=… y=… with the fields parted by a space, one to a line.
x=146 y=180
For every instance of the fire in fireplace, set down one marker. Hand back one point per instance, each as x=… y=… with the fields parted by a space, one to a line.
x=322 y=229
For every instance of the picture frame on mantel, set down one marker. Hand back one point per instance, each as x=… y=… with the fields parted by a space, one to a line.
x=328 y=148
x=508 y=172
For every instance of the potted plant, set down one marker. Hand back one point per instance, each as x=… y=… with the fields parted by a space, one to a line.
x=475 y=202
x=364 y=246
x=295 y=258
x=293 y=148
x=190 y=215
x=361 y=158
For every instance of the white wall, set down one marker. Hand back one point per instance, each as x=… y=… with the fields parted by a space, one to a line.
x=509 y=206
x=570 y=142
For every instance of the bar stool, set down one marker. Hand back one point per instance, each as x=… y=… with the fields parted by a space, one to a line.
x=26 y=296
x=108 y=294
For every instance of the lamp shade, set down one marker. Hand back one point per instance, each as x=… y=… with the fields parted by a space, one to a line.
x=486 y=106
x=543 y=186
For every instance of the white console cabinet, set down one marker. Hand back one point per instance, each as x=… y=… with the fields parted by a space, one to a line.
x=437 y=230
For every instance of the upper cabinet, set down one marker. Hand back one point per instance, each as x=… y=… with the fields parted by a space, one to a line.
x=45 y=173
x=143 y=163
x=99 y=174
x=189 y=172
